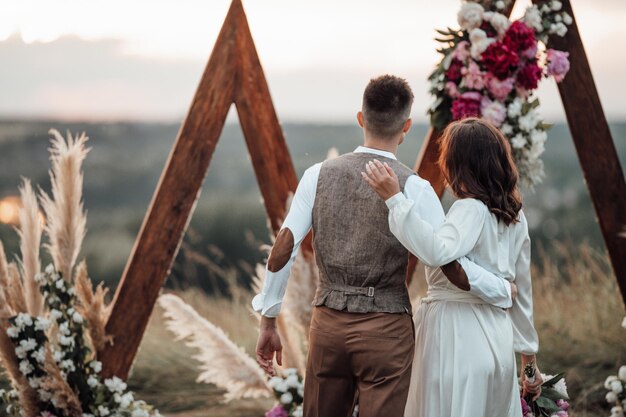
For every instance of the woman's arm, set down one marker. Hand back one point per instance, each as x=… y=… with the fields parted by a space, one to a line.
x=435 y=247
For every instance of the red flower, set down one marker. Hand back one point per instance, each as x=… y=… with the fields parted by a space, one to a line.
x=500 y=60
x=468 y=105
x=528 y=77
x=519 y=37
x=454 y=71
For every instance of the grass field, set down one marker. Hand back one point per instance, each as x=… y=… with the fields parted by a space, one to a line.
x=578 y=312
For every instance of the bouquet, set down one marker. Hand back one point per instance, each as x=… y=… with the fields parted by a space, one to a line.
x=289 y=391
x=491 y=67
x=553 y=399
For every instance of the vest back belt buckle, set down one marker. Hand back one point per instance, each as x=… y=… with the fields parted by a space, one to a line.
x=370 y=291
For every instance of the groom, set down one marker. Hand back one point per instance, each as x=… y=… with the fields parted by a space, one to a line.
x=361 y=337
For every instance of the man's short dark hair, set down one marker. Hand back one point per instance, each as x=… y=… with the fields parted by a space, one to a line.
x=387 y=104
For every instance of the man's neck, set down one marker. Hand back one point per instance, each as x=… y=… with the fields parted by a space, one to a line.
x=388 y=146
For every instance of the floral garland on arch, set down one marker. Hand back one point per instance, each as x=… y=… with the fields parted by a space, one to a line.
x=491 y=67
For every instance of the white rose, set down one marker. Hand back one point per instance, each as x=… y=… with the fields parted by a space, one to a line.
x=500 y=23
x=518 y=141
x=292 y=381
x=609 y=380
x=480 y=42
x=621 y=374
x=611 y=397
x=617 y=387
x=556 y=5
x=286 y=398
x=470 y=16
x=500 y=5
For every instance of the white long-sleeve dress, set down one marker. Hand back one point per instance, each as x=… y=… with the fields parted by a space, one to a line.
x=464 y=364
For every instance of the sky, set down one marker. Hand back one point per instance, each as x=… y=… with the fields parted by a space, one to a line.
x=142 y=59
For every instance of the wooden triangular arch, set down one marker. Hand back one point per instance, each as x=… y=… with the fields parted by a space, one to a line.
x=593 y=141
x=232 y=75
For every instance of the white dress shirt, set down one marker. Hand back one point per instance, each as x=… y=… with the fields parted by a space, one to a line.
x=484 y=284
x=471 y=230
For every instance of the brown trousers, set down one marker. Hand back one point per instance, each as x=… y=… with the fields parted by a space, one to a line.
x=365 y=353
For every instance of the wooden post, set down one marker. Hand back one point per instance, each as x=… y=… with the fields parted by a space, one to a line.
x=232 y=75
x=594 y=145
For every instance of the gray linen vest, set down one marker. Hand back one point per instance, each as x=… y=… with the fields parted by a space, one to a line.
x=362 y=265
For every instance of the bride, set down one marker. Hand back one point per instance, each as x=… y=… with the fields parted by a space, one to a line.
x=464 y=364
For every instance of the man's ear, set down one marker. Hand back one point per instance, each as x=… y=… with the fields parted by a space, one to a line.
x=359 y=118
x=407 y=126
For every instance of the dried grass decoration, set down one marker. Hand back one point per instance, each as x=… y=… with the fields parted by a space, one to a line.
x=52 y=322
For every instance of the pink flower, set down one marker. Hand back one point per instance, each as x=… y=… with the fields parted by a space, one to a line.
x=473 y=76
x=468 y=104
x=500 y=60
x=519 y=37
x=531 y=53
x=500 y=89
x=563 y=405
x=525 y=407
x=528 y=77
x=561 y=414
x=277 y=411
x=461 y=52
x=558 y=64
x=452 y=90
x=454 y=70
x=493 y=111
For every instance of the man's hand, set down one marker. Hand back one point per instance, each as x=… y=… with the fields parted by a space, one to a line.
x=513 y=291
x=382 y=179
x=267 y=345
x=456 y=275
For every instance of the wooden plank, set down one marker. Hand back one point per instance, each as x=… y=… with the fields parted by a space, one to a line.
x=172 y=204
x=594 y=145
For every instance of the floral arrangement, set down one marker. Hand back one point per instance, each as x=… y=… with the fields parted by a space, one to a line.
x=52 y=322
x=553 y=399
x=289 y=391
x=491 y=67
x=616 y=386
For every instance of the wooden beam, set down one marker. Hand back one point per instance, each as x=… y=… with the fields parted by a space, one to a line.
x=233 y=75
x=594 y=145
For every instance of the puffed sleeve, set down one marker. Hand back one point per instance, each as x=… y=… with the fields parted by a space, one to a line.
x=525 y=339
x=437 y=246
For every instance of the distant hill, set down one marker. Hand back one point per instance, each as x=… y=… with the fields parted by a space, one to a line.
x=126 y=160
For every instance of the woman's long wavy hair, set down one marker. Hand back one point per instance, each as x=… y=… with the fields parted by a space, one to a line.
x=476 y=161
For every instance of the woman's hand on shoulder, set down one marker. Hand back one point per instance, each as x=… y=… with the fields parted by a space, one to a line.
x=381 y=178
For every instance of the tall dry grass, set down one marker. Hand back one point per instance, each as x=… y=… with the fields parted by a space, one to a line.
x=578 y=312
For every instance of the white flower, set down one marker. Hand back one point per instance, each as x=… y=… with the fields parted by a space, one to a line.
x=42 y=324
x=297 y=412
x=26 y=368
x=506 y=129
x=470 y=16
x=528 y=121
x=292 y=381
x=480 y=42
x=301 y=390
x=44 y=395
x=96 y=366
x=39 y=355
x=56 y=314
x=117 y=398
x=13 y=332
x=558 y=28
x=68 y=365
x=286 y=398
x=88 y=415
x=39 y=277
x=558 y=18
x=115 y=384
x=281 y=386
x=20 y=352
x=499 y=21
x=556 y=5
x=71 y=291
x=34 y=382
x=127 y=400
x=561 y=388
x=545 y=8
x=617 y=387
x=138 y=412
x=567 y=19
x=50 y=269
x=57 y=355
x=515 y=108
x=60 y=284
x=536 y=149
x=23 y=320
x=274 y=381
x=532 y=18
x=611 y=397
x=518 y=141
x=64 y=328
x=92 y=381
x=538 y=136
x=617 y=412
x=500 y=5
x=28 y=344
x=77 y=317
x=608 y=381
x=66 y=340
x=103 y=411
